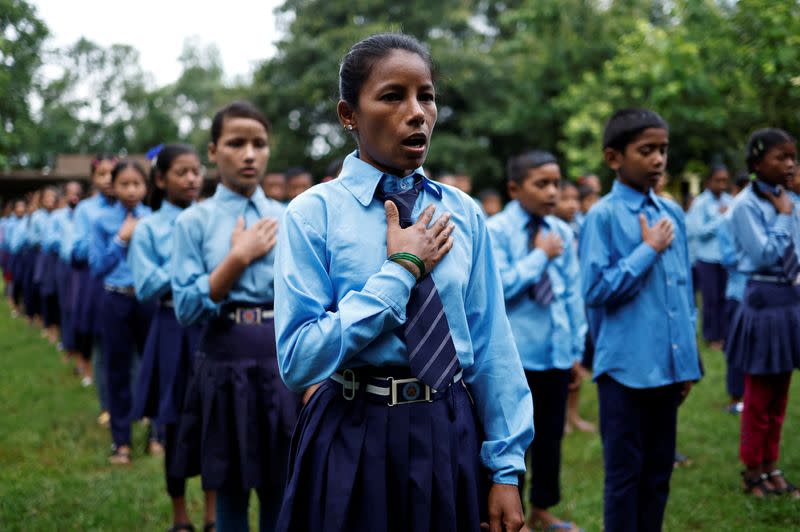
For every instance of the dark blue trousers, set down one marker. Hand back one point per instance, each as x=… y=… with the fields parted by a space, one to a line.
x=712 y=279
x=125 y=323
x=735 y=376
x=638 y=429
x=549 y=390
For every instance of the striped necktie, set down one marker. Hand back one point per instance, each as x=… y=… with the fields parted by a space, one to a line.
x=790 y=264
x=431 y=353
x=542 y=290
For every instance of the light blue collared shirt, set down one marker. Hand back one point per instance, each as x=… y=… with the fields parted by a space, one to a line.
x=53 y=234
x=703 y=222
x=107 y=253
x=203 y=239
x=86 y=213
x=737 y=281
x=40 y=220
x=795 y=198
x=339 y=302
x=761 y=235
x=641 y=308
x=19 y=233
x=150 y=251
x=63 y=228
x=549 y=336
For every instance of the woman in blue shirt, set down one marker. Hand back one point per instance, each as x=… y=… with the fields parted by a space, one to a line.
x=765 y=344
x=44 y=270
x=124 y=320
x=170 y=348
x=238 y=415
x=408 y=331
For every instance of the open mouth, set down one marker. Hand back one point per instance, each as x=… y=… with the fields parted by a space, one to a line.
x=416 y=141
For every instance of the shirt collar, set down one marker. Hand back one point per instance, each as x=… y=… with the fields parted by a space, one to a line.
x=226 y=196
x=170 y=209
x=361 y=179
x=521 y=218
x=633 y=199
x=138 y=211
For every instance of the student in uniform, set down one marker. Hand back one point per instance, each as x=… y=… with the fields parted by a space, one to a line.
x=124 y=321
x=703 y=221
x=168 y=357
x=386 y=304
x=44 y=274
x=32 y=249
x=238 y=415
x=765 y=344
x=734 y=293
x=298 y=180
x=13 y=231
x=491 y=202
x=61 y=231
x=637 y=286
x=89 y=289
x=537 y=258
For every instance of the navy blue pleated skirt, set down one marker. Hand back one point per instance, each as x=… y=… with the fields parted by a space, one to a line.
x=167 y=363
x=39 y=265
x=48 y=286
x=361 y=465
x=89 y=303
x=765 y=333
x=238 y=415
x=30 y=290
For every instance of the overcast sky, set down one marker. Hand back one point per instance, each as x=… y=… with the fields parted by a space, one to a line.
x=243 y=30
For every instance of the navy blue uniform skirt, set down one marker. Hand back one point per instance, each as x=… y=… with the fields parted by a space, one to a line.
x=359 y=465
x=238 y=415
x=51 y=312
x=167 y=363
x=66 y=285
x=30 y=290
x=89 y=304
x=765 y=333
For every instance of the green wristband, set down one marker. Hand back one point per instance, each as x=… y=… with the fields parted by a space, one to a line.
x=410 y=257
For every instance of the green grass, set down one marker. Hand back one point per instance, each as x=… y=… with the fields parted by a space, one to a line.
x=54 y=474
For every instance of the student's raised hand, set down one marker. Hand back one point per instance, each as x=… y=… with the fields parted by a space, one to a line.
x=505 y=509
x=782 y=203
x=430 y=244
x=256 y=241
x=551 y=244
x=660 y=235
x=126 y=231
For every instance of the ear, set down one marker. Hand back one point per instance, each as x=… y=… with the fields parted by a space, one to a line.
x=212 y=152
x=613 y=158
x=513 y=189
x=347 y=115
x=161 y=181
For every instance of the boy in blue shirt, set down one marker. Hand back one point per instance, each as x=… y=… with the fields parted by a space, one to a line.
x=635 y=273
x=538 y=264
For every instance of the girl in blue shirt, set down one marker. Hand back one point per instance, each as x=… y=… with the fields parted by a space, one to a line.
x=44 y=270
x=238 y=415
x=30 y=253
x=764 y=341
x=124 y=321
x=14 y=255
x=88 y=290
x=170 y=348
x=408 y=330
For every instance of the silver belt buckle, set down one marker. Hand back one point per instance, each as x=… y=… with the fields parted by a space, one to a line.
x=248 y=316
x=349 y=380
x=413 y=391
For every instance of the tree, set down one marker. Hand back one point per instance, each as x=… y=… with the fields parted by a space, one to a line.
x=22 y=34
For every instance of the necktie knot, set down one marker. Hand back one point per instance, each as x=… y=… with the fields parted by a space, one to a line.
x=404 y=200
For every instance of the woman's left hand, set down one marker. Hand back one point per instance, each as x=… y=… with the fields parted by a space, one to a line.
x=505 y=509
